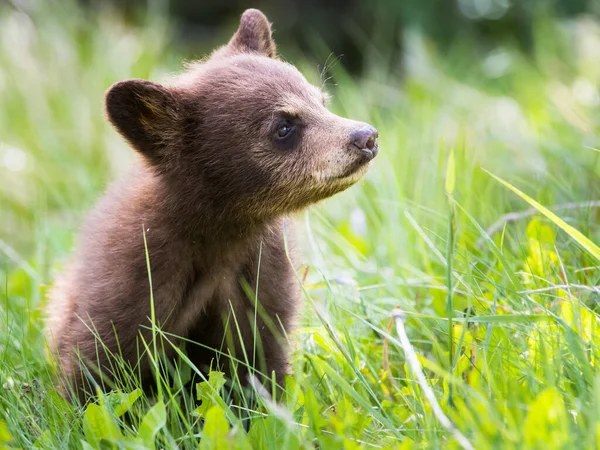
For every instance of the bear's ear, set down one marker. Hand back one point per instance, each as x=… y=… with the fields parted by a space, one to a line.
x=253 y=35
x=145 y=113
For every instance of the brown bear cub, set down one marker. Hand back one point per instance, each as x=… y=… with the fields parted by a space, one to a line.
x=196 y=229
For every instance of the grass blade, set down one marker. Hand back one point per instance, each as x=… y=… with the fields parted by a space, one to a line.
x=582 y=240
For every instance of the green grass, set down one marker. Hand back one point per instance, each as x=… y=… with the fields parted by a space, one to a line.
x=520 y=369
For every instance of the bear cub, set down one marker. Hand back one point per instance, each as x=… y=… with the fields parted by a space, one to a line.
x=194 y=235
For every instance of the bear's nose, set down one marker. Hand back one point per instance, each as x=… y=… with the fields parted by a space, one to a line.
x=365 y=140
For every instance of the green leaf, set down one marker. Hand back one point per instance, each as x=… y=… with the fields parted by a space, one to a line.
x=547 y=423
x=86 y=446
x=587 y=244
x=152 y=422
x=314 y=411
x=209 y=392
x=216 y=428
x=5 y=435
x=122 y=401
x=98 y=424
x=541 y=233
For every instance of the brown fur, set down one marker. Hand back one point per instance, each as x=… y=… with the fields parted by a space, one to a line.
x=211 y=190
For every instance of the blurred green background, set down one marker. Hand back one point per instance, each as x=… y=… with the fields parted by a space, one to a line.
x=455 y=88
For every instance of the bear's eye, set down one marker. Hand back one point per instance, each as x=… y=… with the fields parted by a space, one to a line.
x=284 y=130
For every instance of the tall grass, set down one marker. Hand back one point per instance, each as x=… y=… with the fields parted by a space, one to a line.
x=520 y=352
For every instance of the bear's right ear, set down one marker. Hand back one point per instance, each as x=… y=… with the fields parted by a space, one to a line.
x=253 y=35
x=145 y=113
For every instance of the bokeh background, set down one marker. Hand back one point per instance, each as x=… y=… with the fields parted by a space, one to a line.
x=458 y=89
x=344 y=27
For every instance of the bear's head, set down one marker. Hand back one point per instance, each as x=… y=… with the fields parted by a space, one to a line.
x=243 y=129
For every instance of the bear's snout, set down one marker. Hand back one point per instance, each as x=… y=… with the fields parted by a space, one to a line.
x=364 y=140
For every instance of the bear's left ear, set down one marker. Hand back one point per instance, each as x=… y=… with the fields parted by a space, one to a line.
x=146 y=114
x=253 y=35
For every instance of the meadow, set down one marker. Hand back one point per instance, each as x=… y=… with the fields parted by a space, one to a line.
x=477 y=220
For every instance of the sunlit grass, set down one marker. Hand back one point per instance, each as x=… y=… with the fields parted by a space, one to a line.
x=521 y=365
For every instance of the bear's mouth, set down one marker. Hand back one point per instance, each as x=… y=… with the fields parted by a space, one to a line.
x=353 y=172
x=350 y=175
